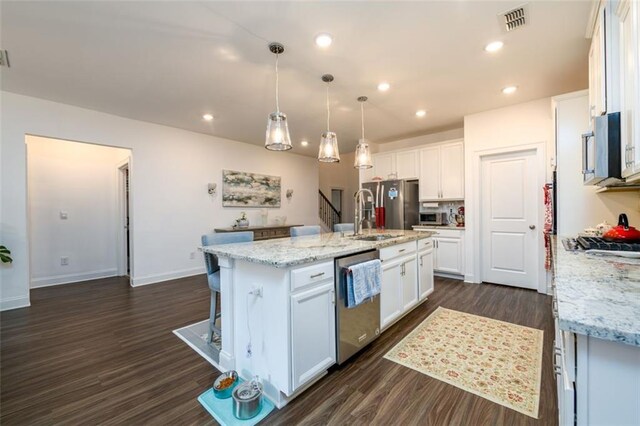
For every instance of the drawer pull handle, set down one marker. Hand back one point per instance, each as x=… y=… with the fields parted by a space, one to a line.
x=317 y=275
x=400 y=251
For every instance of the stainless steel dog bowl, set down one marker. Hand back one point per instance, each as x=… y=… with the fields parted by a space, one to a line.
x=225 y=392
x=247 y=400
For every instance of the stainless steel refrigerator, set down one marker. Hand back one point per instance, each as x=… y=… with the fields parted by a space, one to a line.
x=399 y=199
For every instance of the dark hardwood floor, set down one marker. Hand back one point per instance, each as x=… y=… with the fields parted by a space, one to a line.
x=102 y=352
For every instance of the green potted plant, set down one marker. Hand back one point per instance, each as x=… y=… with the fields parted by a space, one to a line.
x=242 y=221
x=5 y=255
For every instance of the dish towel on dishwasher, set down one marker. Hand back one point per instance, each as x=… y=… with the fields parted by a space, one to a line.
x=363 y=282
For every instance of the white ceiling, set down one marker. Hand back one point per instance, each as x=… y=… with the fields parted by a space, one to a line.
x=170 y=62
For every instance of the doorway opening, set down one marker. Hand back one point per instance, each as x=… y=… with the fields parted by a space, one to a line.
x=79 y=210
x=336 y=199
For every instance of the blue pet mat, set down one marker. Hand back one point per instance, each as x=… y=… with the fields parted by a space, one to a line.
x=222 y=409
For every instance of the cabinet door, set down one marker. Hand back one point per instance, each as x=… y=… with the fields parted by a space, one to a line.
x=630 y=86
x=366 y=175
x=449 y=255
x=384 y=165
x=390 y=293
x=430 y=174
x=409 y=283
x=407 y=164
x=313 y=332
x=597 y=70
x=425 y=276
x=452 y=171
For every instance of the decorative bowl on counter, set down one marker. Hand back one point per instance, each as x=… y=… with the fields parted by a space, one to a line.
x=224 y=384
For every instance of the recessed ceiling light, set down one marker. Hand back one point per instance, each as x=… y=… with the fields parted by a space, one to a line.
x=324 y=40
x=304 y=143
x=509 y=90
x=207 y=117
x=384 y=86
x=494 y=46
x=421 y=113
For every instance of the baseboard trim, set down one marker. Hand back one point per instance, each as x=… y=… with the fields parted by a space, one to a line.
x=73 y=278
x=158 y=278
x=14 y=303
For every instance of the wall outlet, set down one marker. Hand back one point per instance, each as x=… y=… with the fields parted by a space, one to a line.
x=64 y=260
x=192 y=255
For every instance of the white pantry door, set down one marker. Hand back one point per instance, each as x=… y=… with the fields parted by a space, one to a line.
x=509 y=214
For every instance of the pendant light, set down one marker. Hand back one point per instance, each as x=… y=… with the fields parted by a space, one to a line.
x=328 y=152
x=363 y=152
x=277 y=137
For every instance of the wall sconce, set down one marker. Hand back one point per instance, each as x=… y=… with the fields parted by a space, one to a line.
x=211 y=188
x=289 y=194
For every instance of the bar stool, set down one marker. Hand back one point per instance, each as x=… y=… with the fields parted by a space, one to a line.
x=213 y=270
x=297 y=231
x=343 y=227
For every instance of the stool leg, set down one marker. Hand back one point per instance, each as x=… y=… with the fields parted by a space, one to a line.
x=213 y=316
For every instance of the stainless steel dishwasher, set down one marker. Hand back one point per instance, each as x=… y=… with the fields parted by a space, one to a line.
x=355 y=327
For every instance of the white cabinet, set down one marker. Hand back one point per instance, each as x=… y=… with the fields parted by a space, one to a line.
x=442 y=172
x=407 y=164
x=313 y=332
x=425 y=273
x=399 y=287
x=597 y=68
x=448 y=251
x=384 y=164
x=629 y=37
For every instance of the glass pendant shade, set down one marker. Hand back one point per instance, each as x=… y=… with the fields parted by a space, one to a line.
x=363 y=155
x=277 y=137
x=328 y=152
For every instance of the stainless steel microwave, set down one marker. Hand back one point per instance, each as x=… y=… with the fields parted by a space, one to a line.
x=601 y=151
x=433 y=218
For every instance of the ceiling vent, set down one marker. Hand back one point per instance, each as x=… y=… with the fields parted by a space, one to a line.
x=514 y=18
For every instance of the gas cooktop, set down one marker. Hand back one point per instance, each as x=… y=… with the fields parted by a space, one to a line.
x=597 y=243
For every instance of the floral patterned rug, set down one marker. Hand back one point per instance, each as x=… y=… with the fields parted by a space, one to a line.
x=496 y=360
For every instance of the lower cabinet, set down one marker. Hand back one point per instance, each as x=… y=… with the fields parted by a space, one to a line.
x=425 y=273
x=399 y=292
x=313 y=332
x=449 y=252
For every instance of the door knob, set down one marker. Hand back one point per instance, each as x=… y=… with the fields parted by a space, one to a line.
x=532 y=227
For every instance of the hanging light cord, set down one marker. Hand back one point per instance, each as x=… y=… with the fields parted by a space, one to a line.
x=328 y=111
x=362 y=114
x=277 y=83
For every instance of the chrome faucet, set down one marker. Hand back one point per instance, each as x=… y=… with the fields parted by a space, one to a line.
x=359 y=202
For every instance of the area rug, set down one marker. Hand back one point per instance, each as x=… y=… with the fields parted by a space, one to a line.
x=195 y=335
x=496 y=360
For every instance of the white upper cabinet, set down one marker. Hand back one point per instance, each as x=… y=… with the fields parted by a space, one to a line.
x=384 y=164
x=430 y=173
x=442 y=172
x=452 y=171
x=597 y=68
x=629 y=21
x=407 y=164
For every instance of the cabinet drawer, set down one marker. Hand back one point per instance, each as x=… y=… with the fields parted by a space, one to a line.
x=312 y=274
x=397 y=250
x=425 y=243
x=449 y=233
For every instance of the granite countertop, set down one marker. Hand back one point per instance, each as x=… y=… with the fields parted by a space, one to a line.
x=285 y=252
x=597 y=296
x=454 y=227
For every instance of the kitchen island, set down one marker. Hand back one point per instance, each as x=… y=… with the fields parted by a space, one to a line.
x=278 y=301
x=596 y=308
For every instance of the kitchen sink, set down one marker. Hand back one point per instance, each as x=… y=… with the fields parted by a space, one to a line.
x=378 y=237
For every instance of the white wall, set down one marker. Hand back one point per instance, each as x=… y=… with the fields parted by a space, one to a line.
x=519 y=125
x=80 y=180
x=343 y=176
x=579 y=206
x=169 y=174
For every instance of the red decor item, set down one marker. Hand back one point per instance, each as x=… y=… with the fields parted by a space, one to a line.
x=623 y=233
x=380 y=217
